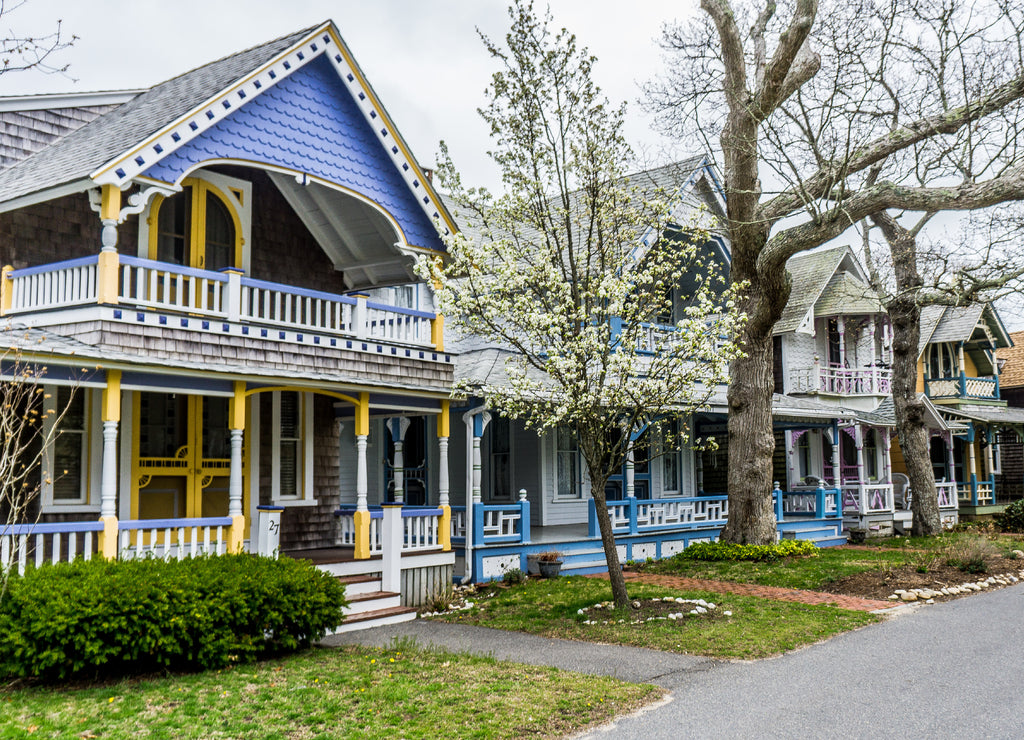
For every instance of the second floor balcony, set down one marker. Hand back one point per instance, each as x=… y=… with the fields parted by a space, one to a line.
x=962 y=386
x=40 y=295
x=835 y=380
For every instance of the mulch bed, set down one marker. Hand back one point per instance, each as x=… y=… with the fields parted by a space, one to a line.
x=880 y=584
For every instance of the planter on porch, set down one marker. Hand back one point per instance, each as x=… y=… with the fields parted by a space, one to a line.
x=550 y=564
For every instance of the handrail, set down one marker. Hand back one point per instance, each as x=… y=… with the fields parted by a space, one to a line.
x=54 y=266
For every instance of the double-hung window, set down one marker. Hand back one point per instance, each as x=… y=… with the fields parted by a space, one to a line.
x=291 y=447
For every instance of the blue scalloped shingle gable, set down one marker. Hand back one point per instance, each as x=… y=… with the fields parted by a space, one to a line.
x=309 y=122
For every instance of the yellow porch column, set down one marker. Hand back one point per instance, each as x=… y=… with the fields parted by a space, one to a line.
x=109 y=262
x=236 y=427
x=444 y=536
x=6 y=290
x=361 y=518
x=111 y=414
x=437 y=332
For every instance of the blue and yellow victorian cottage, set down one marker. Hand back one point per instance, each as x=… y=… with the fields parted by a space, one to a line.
x=217 y=275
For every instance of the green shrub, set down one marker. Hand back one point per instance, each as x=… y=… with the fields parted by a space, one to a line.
x=728 y=551
x=111 y=618
x=1012 y=518
x=513 y=576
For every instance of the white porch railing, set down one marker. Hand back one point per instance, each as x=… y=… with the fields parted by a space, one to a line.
x=842 y=381
x=633 y=515
x=868 y=498
x=21 y=544
x=172 y=288
x=173 y=539
x=946 y=492
x=458 y=522
x=224 y=295
x=420 y=529
x=68 y=283
x=347 y=529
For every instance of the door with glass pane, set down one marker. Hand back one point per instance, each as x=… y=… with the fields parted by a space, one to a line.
x=181 y=456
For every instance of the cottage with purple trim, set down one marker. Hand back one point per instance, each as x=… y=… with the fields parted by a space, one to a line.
x=216 y=273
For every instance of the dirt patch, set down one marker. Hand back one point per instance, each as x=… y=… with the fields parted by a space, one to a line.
x=881 y=584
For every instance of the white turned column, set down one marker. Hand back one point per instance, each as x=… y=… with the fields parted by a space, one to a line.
x=887 y=447
x=630 y=475
x=837 y=459
x=950 y=462
x=108 y=481
x=235 y=474
x=477 y=468
x=858 y=432
x=398 y=468
x=791 y=463
x=361 y=473
x=442 y=471
x=841 y=325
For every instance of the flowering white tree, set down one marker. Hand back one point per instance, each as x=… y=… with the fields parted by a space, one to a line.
x=570 y=268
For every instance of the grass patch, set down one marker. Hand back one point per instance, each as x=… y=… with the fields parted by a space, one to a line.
x=807 y=573
x=757 y=628
x=350 y=692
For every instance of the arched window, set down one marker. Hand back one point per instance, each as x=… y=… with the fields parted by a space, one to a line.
x=195 y=228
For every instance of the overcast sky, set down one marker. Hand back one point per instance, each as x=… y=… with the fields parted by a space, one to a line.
x=423 y=58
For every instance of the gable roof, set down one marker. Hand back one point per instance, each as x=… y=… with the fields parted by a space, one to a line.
x=813 y=278
x=958 y=323
x=76 y=156
x=132 y=140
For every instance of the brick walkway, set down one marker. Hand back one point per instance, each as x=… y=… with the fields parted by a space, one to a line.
x=852 y=603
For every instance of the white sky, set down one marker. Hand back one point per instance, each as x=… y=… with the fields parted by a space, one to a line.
x=423 y=58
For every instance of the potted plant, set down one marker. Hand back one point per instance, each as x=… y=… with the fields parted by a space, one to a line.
x=550 y=563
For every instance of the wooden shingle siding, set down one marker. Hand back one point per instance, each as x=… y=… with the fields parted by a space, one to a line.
x=61 y=229
x=221 y=352
x=27 y=131
x=307 y=527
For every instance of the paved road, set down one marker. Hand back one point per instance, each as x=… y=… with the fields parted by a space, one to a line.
x=953 y=670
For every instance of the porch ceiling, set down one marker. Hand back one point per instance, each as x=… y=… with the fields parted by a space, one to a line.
x=357 y=237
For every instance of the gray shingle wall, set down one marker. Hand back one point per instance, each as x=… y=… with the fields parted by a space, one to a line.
x=220 y=352
x=57 y=230
x=26 y=132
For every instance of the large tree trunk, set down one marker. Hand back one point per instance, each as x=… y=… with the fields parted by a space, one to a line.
x=751 y=385
x=611 y=553
x=905 y=314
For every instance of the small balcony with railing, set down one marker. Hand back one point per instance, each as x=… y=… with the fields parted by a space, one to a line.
x=962 y=386
x=836 y=380
x=119 y=287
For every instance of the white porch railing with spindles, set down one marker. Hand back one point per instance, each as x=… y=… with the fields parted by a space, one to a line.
x=22 y=544
x=420 y=529
x=143 y=283
x=172 y=288
x=68 y=283
x=173 y=539
x=868 y=498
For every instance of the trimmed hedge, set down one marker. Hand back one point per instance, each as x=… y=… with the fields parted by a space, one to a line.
x=718 y=551
x=113 y=618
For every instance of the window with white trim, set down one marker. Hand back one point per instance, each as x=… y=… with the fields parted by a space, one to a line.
x=291 y=427
x=567 y=464
x=64 y=484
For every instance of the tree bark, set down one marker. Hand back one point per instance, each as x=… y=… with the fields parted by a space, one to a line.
x=751 y=439
x=905 y=313
x=611 y=554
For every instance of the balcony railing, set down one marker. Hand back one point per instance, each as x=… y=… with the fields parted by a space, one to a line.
x=962 y=386
x=226 y=296
x=842 y=381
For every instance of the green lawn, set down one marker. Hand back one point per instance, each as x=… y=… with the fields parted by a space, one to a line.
x=831 y=563
x=349 y=692
x=756 y=629
x=812 y=573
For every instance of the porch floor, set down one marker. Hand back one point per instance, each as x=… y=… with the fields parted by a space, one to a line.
x=559 y=533
x=330 y=555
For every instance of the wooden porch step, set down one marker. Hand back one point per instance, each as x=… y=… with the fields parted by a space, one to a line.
x=361 y=584
x=376 y=618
